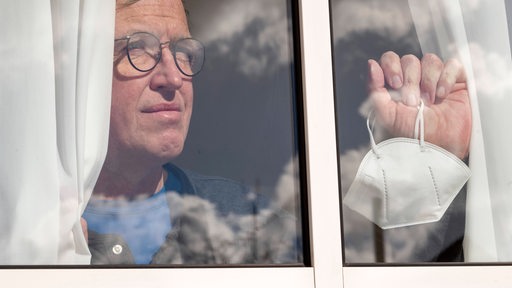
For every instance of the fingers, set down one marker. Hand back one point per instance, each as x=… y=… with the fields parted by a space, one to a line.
x=428 y=79
x=432 y=66
x=439 y=79
x=411 y=68
x=443 y=85
x=382 y=103
x=392 y=68
x=375 y=76
x=453 y=72
x=404 y=74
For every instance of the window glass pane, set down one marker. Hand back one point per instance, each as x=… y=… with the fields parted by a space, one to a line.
x=403 y=204
x=232 y=194
x=202 y=164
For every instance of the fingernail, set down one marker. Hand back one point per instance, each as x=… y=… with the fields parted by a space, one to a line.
x=441 y=92
x=411 y=100
x=396 y=82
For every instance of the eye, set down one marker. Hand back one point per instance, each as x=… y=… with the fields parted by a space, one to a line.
x=189 y=55
x=143 y=44
x=136 y=44
x=136 y=47
x=183 y=58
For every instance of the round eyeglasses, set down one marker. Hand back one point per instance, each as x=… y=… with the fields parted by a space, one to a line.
x=144 y=51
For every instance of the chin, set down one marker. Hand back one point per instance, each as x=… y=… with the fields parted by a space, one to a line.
x=169 y=151
x=166 y=146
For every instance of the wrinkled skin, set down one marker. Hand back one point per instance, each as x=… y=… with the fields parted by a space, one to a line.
x=396 y=85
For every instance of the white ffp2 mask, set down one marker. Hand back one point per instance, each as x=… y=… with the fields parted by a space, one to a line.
x=404 y=181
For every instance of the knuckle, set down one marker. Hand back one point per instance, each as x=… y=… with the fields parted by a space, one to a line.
x=454 y=63
x=432 y=60
x=410 y=59
x=431 y=57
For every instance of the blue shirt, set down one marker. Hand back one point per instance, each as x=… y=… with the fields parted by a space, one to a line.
x=143 y=224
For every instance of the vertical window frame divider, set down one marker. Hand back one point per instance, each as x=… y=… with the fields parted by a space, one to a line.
x=321 y=148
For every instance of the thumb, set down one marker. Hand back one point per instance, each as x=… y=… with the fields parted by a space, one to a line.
x=375 y=76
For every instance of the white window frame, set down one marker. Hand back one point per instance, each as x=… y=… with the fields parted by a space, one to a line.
x=467 y=276
x=324 y=214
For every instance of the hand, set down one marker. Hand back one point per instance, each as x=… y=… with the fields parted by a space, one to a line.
x=83 y=223
x=396 y=86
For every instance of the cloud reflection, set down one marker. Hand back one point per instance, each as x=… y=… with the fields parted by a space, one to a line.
x=228 y=23
x=268 y=235
x=492 y=72
x=386 y=17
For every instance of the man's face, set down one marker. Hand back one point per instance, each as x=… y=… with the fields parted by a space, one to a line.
x=150 y=111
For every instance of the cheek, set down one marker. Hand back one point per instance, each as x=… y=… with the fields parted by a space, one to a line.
x=188 y=98
x=125 y=97
x=189 y=101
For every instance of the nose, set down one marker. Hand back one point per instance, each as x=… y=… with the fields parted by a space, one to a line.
x=166 y=74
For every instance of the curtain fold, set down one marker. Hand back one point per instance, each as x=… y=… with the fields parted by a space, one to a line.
x=476 y=32
x=55 y=85
x=489 y=45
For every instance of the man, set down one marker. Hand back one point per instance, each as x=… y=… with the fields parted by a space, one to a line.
x=145 y=210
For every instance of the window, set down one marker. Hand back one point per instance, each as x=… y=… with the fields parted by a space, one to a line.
x=245 y=137
x=320 y=170
x=355 y=41
x=423 y=254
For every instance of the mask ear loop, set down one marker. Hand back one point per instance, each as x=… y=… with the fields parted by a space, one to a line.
x=420 y=125
x=370 y=128
x=419 y=128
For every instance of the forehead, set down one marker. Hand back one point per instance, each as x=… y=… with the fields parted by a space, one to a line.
x=155 y=16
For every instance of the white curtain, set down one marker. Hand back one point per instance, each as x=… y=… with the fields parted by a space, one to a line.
x=55 y=85
x=476 y=32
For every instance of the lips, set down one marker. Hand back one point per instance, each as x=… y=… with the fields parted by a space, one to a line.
x=162 y=107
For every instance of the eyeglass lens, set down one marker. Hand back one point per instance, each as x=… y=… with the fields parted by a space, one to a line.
x=144 y=53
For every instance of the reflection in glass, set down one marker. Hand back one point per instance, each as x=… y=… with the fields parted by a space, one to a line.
x=476 y=227
x=232 y=195
x=210 y=221
x=365 y=30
